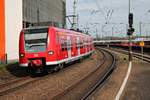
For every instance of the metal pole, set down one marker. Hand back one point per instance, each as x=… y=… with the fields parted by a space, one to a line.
x=38 y=12
x=140 y=28
x=130 y=42
x=129 y=6
x=130 y=49
x=74 y=15
x=142 y=51
x=77 y=20
x=112 y=32
x=6 y=60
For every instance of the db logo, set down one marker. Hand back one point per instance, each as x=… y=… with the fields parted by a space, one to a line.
x=36 y=55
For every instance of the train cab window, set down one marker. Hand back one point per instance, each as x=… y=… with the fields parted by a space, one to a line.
x=36 y=40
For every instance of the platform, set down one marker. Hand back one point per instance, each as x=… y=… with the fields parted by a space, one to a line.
x=138 y=86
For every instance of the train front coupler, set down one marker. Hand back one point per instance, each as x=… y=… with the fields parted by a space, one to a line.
x=35 y=66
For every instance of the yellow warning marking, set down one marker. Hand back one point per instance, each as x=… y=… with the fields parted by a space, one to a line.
x=142 y=44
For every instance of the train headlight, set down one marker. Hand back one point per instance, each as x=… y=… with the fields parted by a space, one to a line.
x=22 y=55
x=50 y=52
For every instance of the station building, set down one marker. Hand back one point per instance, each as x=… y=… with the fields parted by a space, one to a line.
x=18 y=14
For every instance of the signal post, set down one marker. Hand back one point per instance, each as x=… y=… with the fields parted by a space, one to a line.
x=129 y=33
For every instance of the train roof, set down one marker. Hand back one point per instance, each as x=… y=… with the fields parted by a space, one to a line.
x=36 y=27
x=57 y=29
x=70 y=31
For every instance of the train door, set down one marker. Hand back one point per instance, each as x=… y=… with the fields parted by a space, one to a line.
x=78 y=45
x=69 y=47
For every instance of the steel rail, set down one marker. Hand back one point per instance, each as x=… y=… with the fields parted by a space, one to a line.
x=136 y=55
x=13 y=85
x=102 y=80
x=17 y=84
x=72 y=86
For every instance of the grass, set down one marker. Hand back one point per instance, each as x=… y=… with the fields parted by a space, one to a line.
x=2 y=67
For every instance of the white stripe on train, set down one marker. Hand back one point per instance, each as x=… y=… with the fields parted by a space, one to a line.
x=60 y=61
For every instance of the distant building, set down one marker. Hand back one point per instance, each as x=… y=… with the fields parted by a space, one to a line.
x=44 y=12
x=16 y=14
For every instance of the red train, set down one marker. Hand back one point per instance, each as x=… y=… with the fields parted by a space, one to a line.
x=44 y=47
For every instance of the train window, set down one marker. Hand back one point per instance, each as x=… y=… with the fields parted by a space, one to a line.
x=64 y=45
x=57 y=37
x=71 y=48
x=35 y=40
x=78 y=45
x=81 y=45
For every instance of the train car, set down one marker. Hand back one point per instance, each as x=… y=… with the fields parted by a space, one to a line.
x=44 y=47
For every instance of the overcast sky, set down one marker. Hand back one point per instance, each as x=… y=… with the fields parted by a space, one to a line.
x=111 y=11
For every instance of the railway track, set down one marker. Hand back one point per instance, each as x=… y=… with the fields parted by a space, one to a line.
x=96 y=85
x=102 y=80
x=136 y=55
x=143 y=57
x=13 y=85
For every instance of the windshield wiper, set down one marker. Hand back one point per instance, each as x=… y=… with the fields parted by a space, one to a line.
x=41 y=44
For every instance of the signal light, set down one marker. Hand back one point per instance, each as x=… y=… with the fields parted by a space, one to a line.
x=130 y=31
x=130 y=19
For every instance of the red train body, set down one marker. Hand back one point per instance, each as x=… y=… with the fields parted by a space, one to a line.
x=52 y=46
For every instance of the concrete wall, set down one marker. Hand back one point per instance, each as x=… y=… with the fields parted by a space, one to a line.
x=12 y=16
x=44 y=11
x=2 y=31
x=13 y=26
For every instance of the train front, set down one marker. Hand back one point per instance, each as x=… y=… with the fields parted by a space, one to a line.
x=32 y=49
